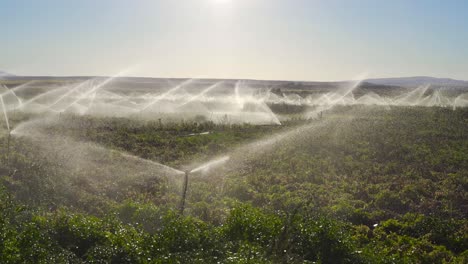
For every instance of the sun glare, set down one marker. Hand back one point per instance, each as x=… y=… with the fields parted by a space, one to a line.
x=222 y=1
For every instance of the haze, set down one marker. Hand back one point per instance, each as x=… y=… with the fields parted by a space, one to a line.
x=257 y=39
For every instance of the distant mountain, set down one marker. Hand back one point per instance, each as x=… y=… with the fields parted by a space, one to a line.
x=419 y=80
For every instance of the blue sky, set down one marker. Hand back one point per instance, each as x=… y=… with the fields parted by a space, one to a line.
x=259 y=39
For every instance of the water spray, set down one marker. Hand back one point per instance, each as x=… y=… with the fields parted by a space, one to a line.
x=200 y=169
x=8 y=127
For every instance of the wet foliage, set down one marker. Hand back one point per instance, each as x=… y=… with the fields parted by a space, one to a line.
x=358 y=185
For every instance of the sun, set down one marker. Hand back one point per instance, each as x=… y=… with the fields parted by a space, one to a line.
x=222 y=1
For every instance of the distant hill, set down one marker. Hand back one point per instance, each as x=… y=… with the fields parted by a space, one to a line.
x=381 y=83
x=419 y=80
x=5 y=74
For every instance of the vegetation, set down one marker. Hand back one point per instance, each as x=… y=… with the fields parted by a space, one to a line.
x=360 y=185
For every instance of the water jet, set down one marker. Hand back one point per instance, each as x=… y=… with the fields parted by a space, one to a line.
x=8 y=128
x=203 y=169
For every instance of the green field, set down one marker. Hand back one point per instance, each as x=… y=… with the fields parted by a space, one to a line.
x=361 y=184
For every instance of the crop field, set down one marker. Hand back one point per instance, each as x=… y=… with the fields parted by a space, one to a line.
x=113 y=170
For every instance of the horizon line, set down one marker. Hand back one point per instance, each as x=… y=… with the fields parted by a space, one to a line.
x=221 y=79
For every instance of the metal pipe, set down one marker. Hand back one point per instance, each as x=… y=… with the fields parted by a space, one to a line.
x=8 y=148
x=184 y=193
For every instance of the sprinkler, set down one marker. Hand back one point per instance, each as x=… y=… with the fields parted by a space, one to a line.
x=204 y=168
x=8 y=148
x=184 y=193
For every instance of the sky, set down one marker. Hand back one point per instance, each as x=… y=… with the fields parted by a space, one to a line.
x=321 y=40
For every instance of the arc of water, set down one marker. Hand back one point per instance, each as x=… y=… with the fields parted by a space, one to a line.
x=348 y=91
x=267 y=109
x=460 y=101
x=440 y=99
x=168 y=168
x=436 y=100
x=337 y=99
x=211 y=164
x=19 y=87
x=30 y=129
x=268 y=95
x=112 y=96
x=87 y=93
x=119 y=100
x=127 y=103
x=371 y=98
x=258 y=101
x=11 y=91
x=5 y=113
x=412 y=97
x=95 y=88
x=164 y=95
x=240 y=103
x=80 y=85
x=90 y=104
x=38 y=97
x=206 y=90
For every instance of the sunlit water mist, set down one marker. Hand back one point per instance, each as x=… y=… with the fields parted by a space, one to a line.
x=5 y=113
x=104 y=167
x=241 y=161
x=108 y=171
x=85 y=155
x=235 y=103
x=165 y=95
x=218 y=102
x=9 y=96
x=237 y=157
x=420 y=96
x=35 y=129
x=343 y=96
x=204 y=168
